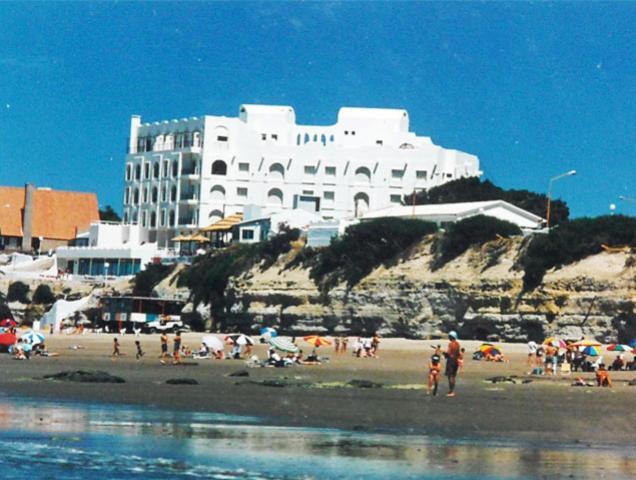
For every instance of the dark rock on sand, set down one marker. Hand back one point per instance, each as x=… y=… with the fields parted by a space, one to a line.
x=182 y=381
x=632 y=383
x=364 y=384
x=503 y=379
x=239 y=373
x=85 y=376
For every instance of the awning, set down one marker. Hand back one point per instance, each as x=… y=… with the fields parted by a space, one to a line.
x=181 y=238
x=198 y=238
x=225 y=224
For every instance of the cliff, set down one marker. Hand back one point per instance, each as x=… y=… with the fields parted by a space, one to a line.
x=479 y=294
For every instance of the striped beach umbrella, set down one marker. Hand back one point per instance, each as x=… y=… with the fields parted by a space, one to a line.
x=239 y=339
x=268 y=332
x=283 y=345
x=555 y=342
x=591 y=351
x=213 y=342
x=317 y=340
x=32 y=337
x=618 y=347
x=587 y=343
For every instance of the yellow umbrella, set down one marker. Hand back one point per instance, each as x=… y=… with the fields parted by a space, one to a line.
x=181 y=238
x=198 y=238
x=224 y=224
x=587 y=343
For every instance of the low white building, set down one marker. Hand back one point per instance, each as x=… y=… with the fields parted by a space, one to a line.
x=452 y=212
x=108 y=248
x=183 y=175
x=258 y=225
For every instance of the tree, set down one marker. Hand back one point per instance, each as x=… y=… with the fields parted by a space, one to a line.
x=108 y=214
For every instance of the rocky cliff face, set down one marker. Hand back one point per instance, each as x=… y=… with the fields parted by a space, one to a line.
x=479 y=294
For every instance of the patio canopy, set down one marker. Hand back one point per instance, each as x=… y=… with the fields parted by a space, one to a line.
x=225 y=224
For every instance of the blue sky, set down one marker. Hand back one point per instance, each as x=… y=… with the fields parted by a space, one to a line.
x=533 y=89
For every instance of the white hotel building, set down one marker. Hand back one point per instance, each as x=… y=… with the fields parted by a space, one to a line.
x=185 y=174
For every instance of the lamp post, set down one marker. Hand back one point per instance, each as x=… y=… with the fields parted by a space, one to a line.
x=553 y=179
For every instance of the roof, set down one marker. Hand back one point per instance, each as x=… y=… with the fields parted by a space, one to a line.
x=224 y=224
x=443 y=211
x=57 y=214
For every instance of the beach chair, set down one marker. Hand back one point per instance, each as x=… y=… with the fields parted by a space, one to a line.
x=566 y=369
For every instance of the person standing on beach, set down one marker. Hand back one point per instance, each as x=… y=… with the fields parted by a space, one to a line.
x=116 y=352
x=452 y=362
x=176 y=354
x=344 y=342
x=140 y=352
x=164 y=346
x=434 y=368
x=336 y=343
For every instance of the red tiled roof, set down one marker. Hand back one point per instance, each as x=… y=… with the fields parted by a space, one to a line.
x=57 y=214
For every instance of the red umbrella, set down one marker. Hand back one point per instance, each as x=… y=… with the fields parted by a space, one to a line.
x=8 y=322
x=6 y=340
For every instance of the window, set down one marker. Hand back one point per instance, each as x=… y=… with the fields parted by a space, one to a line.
x=274 y=137
x=172 y=218
x=396 y=199
x=308 y=192
x=129 y=172
x=163 y=217
x=175 y=168
x=263 y=136
x=379 y=142
x=346 y=132
x=397 y=173
x=155 y=170
x=420 y=174
x=449 y=175
x=353 y=132
x=173 y=194
x=127 y=196
x=219 y=167
x=153 y=220
x=221 y=138
x=147 y=170
x=329 y=195
x=137 y=172
x=247 y=234
x=164 y=193
x=155 y=195
x=241 y=192
x=244 y=167
x=143 y=219
x=145 y=196
x=310 y=170
x=330 y=171
x=136 y=197
x=165 y=168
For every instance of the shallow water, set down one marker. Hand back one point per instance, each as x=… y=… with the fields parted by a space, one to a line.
x=70 y=440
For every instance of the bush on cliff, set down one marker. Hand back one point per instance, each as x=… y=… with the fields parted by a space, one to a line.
x=473 y=190
x=146 y=280
x=573 y=241
x=18 y=292
x=476 y=230
x=365 y=246
x=43 y=295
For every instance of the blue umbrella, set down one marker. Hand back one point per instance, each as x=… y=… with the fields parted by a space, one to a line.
x=269 y=331
x=32 y=337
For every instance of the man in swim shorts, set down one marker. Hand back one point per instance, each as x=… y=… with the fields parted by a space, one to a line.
x=452 y=355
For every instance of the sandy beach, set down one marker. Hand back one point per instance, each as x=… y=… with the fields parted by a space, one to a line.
x=547 y=409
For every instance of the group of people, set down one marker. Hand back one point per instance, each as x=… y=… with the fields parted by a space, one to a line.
x=454 y=360
x=366 y=347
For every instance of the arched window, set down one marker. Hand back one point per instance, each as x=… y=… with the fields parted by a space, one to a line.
x=171 y=218
x=175 y=168
x=125 y=217
x=136 y=197
x=127 y=196
x=148 y=144
x=162 y=220
x=277 y=171
x=164 y=193
x=187 y=139
x=219 y=167
x=129 y=172
x=299 y=138
x=138 y=172
x=275 y=197
x=144 y=218
x=217 y=193
x=135 y=217
x=155 y=170
x=307 y=138
x=153 y=220
x=331 y=138
x=361 y=204
x=166 y=164
x=155 y=195
x=146 y=195
x=363 y=175
x=215 y=215
x=323 y=139
x=315 y=137
x=173 y=194
x=146 y=170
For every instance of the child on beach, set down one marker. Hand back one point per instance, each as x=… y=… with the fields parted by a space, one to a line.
x=434 y=369
x=602 y=377
x=140 y=352
x=164 y=347
x=116 y=352
x=176 y=354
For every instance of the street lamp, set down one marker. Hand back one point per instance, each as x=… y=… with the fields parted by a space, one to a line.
x=553 y=179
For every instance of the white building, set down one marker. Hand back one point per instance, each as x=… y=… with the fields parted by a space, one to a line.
x=453 y=212
x=111 y=249
x=182 y=175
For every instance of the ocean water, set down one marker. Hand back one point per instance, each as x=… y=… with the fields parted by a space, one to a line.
x=78 y=441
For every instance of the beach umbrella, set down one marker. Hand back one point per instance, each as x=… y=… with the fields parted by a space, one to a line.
x=487 y=346
x=6 y=340
x=587 y=343
x=239 y=339
x=555 y=342
x=283 y=345
x=213 y=342
x=268 y=331
x=317 y=340
x=8 y=323
x=32 y=337
x=492 y=351
x=591 y=351
x=618 y=347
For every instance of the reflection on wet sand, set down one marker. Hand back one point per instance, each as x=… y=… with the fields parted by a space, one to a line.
x=212 y=436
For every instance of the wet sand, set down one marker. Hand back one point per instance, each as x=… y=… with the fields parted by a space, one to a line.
x=544 y=411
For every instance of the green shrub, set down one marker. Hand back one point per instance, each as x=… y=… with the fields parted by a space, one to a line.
x=573 y=241
x=476 y=230
x=18 y=292
x=43 y=295
x=474 y=190
x=147 y=279
x=365 y=246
